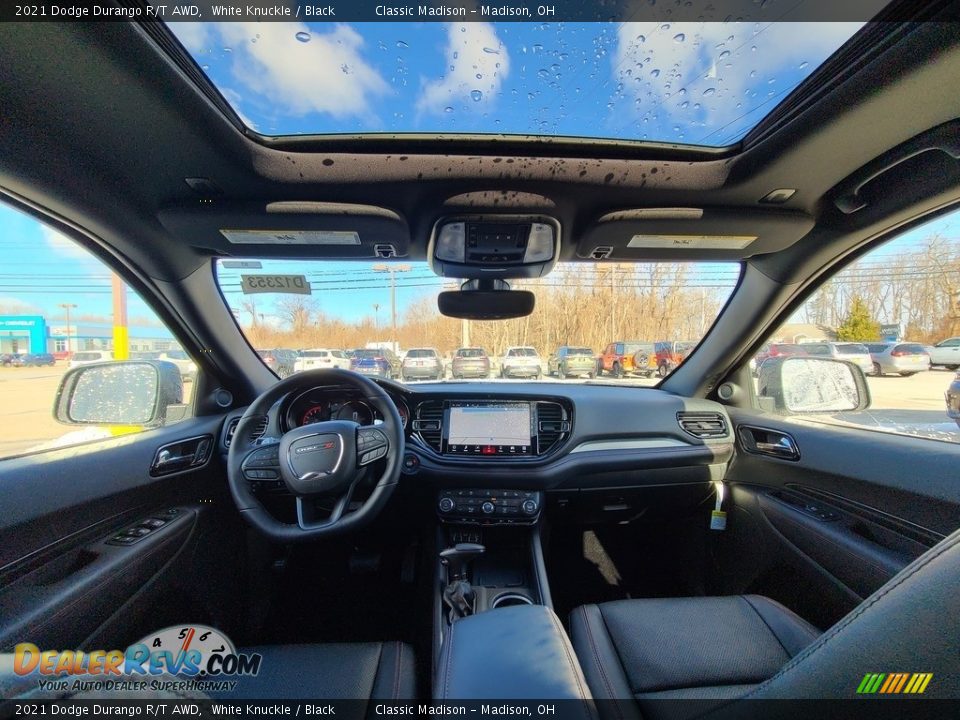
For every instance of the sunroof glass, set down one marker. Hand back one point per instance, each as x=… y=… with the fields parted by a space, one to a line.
x=691 y=83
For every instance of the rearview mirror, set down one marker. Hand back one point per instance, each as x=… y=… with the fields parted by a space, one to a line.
x=796 y=385
x=486 y=304
x=118 y=393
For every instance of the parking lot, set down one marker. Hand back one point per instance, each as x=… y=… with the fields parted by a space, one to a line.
x=913 y=405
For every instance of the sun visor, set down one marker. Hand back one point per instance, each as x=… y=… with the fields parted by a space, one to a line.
x=691 y=234
x=290 y=229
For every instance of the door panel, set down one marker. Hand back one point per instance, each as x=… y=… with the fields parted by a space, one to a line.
x=823 y=531
x=68 y=579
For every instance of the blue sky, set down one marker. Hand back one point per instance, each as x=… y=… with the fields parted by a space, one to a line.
x=704 y=83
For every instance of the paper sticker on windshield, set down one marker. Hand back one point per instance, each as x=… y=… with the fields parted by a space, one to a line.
x=291 y=237
x=296 y=284
x=692 y=242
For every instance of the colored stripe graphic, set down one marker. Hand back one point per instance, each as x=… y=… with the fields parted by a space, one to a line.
x=894 y=683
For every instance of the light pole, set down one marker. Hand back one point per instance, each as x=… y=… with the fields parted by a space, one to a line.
x=393 y=270
x=376 y=318
x=67 y=307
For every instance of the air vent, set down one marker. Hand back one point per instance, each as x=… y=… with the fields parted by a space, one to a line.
x=703 y=425
x=552 y=426
x=256 y=431
x=428 y=423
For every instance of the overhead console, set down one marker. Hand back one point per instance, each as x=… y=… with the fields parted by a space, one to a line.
x=494 y=246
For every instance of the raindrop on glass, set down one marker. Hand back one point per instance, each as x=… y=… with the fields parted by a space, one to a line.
x=448 y=109
x=679 y=38
x=476 y=95
x=724 y=54
x=401 y=44
x=803 y=64
x=709 y=91
x=303 y=36
x=491 y=51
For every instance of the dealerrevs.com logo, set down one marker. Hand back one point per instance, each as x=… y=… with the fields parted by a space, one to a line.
x=190 y=657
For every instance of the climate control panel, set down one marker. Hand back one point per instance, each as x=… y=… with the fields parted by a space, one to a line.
x=490 y=507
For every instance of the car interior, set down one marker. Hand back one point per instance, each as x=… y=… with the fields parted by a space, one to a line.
x=620 y=546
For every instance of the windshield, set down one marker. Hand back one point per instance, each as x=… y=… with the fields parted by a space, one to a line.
x=697 y=83
x=586 y=307
x=314 y=353
x=852 y=349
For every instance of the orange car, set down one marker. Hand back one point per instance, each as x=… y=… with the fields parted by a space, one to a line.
x=627 y=358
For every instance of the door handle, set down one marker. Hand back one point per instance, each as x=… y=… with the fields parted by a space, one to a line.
x=784 y=447
x=764 y=441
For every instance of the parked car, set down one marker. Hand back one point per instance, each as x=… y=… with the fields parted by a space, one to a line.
x=318 y=358
x=376 y=361
x=521 y=362
x=88 y=357
x=470 y=362
x=38 y=360
x=186 y=366
x=953 y=399
x=857 y=353
x=670 y=353
x=280 y=361
x=6 y=359
x=773 y=350
x=904 y=359
x=575 y=361
x=421 y=364
x=626 y=358
x=946 y=353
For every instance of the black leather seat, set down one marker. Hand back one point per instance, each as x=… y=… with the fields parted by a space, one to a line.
x=332 y=671
x=702 y=647
x=639 y=651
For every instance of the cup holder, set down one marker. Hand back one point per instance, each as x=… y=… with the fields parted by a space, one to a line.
x=508 y=599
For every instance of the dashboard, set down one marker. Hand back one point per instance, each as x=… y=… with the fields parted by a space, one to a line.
x=537 y=436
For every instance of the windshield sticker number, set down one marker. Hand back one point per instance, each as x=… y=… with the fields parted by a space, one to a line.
x=295 y=284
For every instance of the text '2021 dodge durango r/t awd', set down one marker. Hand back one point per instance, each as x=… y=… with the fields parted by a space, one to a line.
x=728 y=534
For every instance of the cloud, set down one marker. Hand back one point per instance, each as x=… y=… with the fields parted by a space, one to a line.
x=61 y=246
x=688 y=81
x=195 y=36
x=327 y=74
x=475 y=61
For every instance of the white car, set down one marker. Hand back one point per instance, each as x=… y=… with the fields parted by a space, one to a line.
x=319 y=358
x=88 y=357
x=946 y=353
x=521 y=362
x=186 y=366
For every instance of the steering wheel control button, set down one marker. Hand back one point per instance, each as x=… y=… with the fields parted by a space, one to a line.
x=489 y=507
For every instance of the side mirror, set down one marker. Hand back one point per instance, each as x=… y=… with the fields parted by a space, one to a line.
x=118 y=393
x=797 y=385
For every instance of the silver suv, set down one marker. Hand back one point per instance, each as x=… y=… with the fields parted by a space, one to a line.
x=421 y=364
x=521 y=362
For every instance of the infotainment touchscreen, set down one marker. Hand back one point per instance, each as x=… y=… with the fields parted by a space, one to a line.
x=488 y=429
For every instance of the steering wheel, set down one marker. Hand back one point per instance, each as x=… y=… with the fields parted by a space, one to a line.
x=324 y=460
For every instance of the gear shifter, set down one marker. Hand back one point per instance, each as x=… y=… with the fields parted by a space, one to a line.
x=458 y=594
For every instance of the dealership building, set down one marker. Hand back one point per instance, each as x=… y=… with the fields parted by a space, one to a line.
x=37 y=334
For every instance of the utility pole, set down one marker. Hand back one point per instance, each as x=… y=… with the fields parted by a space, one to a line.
x=376 y=317
x=121 y=333
x=393 y=270
x=67 y=307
